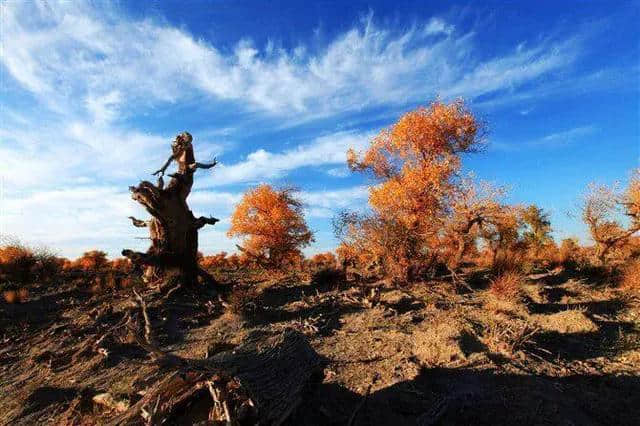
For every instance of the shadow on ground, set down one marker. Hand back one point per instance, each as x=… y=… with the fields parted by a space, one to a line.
x=463 y=397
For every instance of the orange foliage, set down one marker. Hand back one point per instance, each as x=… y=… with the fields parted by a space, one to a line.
x=324 y=260
x=16 y=263
x=218 y=260
x=273 y=227
x=93 y=260
x=121 y=264
x=235 y=261
x=10 y=296
x=415 y=160
x=416 y=163
x=631 y=277
x=23 y=265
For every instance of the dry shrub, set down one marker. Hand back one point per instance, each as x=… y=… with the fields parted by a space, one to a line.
x=327 y=276
x=569 y=321
x=507 y=286
x=10 y=296
x=23 y=265
x=121 y=264
x=242 y=300
x=94 y=260
x=630 y=279
x=23 y=295
x=510 y=261
x=111 y=280
x=215 y=261
x=126 y=282
x=16 y=263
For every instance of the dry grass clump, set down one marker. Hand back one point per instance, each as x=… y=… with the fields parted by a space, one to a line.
x=569 y=321
x=438 y=344
x=630 y=279
x=507 y=286
x=10 y=296
x=444 y=342
x=242 y=300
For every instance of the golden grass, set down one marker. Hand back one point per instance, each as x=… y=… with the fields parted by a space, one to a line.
x=439 y=343
x=507 y=286
x=569 y=321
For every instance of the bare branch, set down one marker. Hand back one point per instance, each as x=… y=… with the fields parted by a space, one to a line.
x=162 y=169
x=196 y=165
x=138 y=223
x=202 y=221
x=147 y=322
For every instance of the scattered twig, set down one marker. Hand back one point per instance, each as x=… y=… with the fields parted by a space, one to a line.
x=147 y=323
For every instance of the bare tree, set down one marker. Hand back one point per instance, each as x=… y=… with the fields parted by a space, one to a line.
x=602 y=209
x=173 y=229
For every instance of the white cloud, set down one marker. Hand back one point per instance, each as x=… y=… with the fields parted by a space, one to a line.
x=78 y=152
x=337 y=198
x=73 y=219
x=565 y=137
x=338 y=172
x=56 y=155
x=553 y=140
x=114 y=64
x=261 y=164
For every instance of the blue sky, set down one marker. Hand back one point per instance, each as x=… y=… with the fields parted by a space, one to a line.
x=92 y=93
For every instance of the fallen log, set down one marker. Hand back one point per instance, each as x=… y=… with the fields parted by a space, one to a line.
x=261 y=381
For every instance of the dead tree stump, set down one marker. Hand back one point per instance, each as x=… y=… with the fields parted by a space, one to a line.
x=173 y=229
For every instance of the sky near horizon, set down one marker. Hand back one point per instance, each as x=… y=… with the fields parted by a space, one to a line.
x=91 y=94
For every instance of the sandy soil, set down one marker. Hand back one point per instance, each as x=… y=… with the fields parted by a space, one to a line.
x=569 y=353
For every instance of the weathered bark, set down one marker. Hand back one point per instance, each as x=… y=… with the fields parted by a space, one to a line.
x=261 y=381
x=173 y=230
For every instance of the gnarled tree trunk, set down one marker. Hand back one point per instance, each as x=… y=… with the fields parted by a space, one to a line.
x=173 y=230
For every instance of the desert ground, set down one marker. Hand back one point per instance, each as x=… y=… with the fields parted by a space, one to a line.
x=567 y=352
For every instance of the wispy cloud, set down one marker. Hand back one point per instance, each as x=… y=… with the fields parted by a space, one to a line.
x=325 y=204
x=338 y=172
x=263 y=165
x=564 y=137
x=551 y=141
x=112 y=64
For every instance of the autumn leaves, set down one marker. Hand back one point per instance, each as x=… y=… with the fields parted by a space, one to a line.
x=423 y=212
